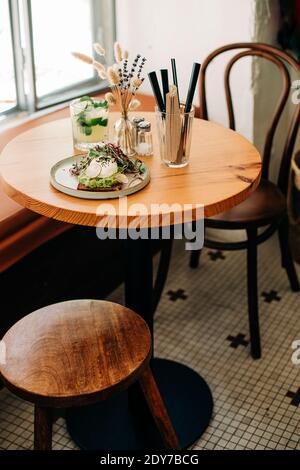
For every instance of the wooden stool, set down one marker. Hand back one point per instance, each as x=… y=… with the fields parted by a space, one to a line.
x=77 y=353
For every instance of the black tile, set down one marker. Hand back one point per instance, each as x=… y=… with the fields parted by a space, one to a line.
x=178 y=294
x=295 y=397
x=215 y=255
x=270 y=296
x=238 y=340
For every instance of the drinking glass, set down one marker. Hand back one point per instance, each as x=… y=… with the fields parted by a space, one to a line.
x=89 y=122
x=175 y=136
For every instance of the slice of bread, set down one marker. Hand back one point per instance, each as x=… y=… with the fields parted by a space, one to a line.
x=83 y=187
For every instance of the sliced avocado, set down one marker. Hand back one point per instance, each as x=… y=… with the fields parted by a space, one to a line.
x=98 y=182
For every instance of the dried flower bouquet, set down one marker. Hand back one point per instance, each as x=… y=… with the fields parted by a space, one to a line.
x=124 y=80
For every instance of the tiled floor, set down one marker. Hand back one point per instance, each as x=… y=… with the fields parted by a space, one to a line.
x=209 y=332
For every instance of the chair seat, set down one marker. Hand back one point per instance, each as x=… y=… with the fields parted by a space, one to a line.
x=263 y=206
x=75 y=352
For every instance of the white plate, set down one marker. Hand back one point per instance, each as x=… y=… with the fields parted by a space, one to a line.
x=64 y=181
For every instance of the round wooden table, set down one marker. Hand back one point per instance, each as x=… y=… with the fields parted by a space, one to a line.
x=224 y=169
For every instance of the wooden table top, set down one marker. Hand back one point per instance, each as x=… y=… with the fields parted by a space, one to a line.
x=224 y=169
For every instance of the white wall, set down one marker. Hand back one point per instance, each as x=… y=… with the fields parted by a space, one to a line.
x=188 y=30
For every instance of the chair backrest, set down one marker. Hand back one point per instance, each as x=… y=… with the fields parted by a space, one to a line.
x=281 y=59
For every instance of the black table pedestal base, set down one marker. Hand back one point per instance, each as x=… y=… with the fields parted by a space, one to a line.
x=111 y=425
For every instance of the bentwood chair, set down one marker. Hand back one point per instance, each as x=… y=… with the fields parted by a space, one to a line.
x=266 y=208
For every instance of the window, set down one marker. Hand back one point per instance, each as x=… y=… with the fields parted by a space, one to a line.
x=55 y=68
x=36 y=40
x=8 y=99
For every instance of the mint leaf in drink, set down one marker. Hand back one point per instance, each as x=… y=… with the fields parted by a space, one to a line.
x=100 y=104
x=86 y=98
x=87 y=130
x=81 y=119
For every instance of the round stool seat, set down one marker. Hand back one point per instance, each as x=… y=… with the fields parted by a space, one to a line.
x=75 y=352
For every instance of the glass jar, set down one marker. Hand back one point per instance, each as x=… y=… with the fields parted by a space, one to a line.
x=144 y=139
x=175 y=136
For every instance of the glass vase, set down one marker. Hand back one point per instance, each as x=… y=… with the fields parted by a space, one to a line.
x=124 y=135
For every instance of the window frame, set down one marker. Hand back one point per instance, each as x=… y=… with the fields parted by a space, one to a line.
x=24 y=57
x=14 y=108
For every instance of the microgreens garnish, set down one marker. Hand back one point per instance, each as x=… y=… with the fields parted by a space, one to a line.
x=104 y=154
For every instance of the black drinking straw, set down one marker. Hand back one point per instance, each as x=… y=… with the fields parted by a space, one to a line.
x=165 y=84
x=175 y=81
x=156 y=91
x=192 y=87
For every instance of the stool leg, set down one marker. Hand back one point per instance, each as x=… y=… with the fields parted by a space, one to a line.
x=194 y=259
x=42 y=428
x=158 y=410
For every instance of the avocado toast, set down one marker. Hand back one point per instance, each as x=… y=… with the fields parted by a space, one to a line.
x=105 y=168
